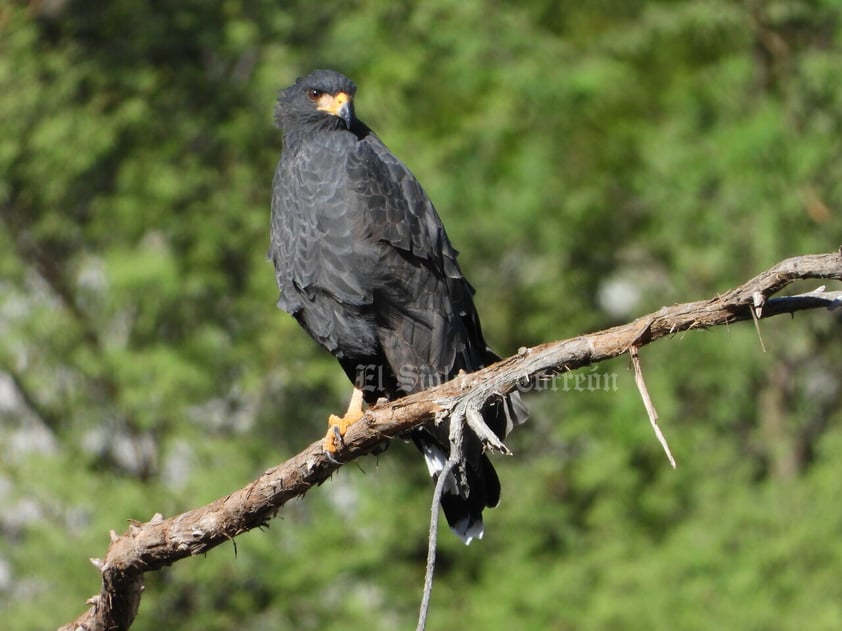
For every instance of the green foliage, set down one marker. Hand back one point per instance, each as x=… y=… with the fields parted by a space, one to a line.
x=592 y=161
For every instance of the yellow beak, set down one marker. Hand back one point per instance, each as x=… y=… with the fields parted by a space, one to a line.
x=338 y=104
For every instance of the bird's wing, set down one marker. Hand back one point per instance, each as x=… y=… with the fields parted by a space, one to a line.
x=423 y=300
x=316 y=245
x=400 y=213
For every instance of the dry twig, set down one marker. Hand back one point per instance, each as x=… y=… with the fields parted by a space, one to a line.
x=647 y=403
x=456 y=430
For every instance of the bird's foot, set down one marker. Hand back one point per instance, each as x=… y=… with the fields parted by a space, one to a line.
x=337 y=427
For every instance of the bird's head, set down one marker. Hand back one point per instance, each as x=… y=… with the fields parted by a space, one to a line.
x=323 y=97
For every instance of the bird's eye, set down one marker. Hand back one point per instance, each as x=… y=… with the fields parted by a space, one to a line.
x=313 y=94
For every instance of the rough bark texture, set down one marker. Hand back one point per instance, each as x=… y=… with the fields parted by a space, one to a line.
x=160 y=542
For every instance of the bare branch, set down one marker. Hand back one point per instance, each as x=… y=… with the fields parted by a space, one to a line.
x=160 y=542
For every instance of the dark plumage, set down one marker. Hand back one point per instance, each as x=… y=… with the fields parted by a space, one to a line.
x=365 y=266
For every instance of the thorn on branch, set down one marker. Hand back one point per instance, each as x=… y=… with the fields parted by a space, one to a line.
x=759 y=301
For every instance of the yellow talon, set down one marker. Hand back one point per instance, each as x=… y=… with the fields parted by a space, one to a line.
x=338 y=426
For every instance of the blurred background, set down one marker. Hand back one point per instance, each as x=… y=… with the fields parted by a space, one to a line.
x=592 y=161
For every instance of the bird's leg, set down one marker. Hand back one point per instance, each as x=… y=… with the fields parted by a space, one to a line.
x=338 y=426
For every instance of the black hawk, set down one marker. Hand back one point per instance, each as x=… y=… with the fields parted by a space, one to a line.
x=364 y=264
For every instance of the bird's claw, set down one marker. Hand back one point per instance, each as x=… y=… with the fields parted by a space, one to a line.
x=335 y=437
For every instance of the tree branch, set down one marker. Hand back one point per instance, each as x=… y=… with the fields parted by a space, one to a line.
x=160 y=542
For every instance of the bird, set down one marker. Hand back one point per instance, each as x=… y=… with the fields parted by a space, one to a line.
x=364 y=264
